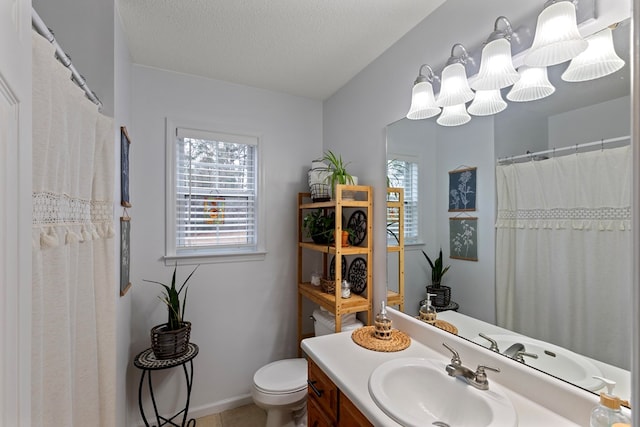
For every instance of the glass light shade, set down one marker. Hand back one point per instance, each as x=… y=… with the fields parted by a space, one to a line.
x=599 y=60
x=557 y=38
x=487 y=102
x=496 y=67
x=455 y=87
x=533 y=84
x=423 y=103
x=454 y=115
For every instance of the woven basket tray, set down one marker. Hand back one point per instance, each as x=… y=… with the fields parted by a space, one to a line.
x=365 y=337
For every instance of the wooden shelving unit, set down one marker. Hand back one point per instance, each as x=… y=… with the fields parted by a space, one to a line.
x=333 y=302
x=395 y=214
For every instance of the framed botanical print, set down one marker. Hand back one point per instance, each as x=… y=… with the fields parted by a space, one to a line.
x=125 y=143
x=125 y=254
x=462 y=190
x=463 y=238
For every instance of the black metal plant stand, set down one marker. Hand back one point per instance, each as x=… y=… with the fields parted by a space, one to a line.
x=147 y=361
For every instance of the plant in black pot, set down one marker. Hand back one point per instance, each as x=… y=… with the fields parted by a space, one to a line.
x=170 y=340
x=319 y=226
x=442 y=293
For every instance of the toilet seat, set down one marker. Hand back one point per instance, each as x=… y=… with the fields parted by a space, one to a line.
x=286 y=376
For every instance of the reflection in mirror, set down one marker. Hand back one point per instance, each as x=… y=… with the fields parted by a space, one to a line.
x=577 y=113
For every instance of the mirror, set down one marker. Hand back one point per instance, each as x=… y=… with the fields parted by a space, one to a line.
x=532 y=126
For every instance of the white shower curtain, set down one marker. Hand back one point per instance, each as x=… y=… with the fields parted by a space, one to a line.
x=563 y=252
x=73 y=336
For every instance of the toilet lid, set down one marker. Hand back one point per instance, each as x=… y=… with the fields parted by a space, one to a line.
x=282 y=376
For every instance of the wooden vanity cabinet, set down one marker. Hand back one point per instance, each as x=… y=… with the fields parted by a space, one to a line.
x=327 y=406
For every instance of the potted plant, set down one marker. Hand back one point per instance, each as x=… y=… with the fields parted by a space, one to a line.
x=442 y=293
x=338 y=171
x=319 y=226
x=170 y=340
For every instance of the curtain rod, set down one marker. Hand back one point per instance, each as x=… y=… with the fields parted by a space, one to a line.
x=575 y=147
x=65 y=59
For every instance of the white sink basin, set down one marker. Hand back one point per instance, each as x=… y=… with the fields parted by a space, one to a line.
x=417 y=392
x=554 y=360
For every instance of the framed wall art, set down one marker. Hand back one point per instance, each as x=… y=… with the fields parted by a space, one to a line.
x=463 y=238
x=125 y=254
x=125 y=144
x=462 y=190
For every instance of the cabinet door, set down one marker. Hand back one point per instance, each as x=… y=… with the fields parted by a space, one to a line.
x=350 y=416
x=316 y=418
x=323 y=390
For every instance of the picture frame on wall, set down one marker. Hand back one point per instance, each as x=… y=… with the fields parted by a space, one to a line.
x=463 y=238
x=125 y=254
x=462 y=189
x=125 y=144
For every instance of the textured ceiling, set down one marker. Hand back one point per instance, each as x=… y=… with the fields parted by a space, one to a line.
x=309 y=48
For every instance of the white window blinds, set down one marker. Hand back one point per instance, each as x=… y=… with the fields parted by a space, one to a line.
x=215 y=191
x=403 y=173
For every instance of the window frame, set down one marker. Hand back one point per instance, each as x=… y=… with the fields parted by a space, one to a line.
x=207 y=254
x=415 y=159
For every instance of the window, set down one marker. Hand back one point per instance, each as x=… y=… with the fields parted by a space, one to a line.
x=212 y=199
x=402 y=172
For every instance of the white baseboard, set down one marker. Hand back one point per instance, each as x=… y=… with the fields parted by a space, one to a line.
x=220 y=406
x=212 y=408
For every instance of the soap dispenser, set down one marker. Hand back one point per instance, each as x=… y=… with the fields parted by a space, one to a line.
x=608 y=411
x=382 y=324
x=428 y=311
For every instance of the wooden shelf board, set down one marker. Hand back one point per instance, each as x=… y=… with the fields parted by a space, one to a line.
x=354 y=304
x=345 y=250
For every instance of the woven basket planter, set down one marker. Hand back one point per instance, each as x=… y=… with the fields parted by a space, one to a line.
x=442 y=295
x=168 y=344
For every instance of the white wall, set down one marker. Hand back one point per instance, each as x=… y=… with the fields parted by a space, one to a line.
x=122 y=117
x=84 y=29
x=606 y=120
x=243 y=313
x=472 y=282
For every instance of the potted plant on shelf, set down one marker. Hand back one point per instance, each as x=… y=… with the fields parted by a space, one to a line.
x=338 y=172
x=442 y=293
x=319 y=226
x=170 y=340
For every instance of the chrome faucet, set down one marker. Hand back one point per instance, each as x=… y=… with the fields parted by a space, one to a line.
x=477 y=378
x=513 y=350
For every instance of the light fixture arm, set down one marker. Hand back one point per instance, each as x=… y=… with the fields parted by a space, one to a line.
x=506 y=33
x=430 y=77
x=462 y=58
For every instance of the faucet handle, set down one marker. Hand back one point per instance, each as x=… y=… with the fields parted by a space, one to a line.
x=494 y=344
x=520 y=356
x=481 y=375
x=455 y=359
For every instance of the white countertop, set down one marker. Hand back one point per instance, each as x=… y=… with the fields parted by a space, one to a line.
x=349 y=367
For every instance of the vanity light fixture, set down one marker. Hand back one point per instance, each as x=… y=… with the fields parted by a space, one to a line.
x=599 y=60
x=496 y=65
x=454 y=115
x=557 y=38
x=455 y=88
x=487 y=102
x=423 y=102
x=533 y=84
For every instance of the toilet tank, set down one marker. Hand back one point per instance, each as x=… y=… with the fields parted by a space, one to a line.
x=325 y=322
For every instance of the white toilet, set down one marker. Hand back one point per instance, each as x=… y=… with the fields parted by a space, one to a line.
x=280 y=387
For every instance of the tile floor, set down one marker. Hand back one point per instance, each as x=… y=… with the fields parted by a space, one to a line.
x=244 y=416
